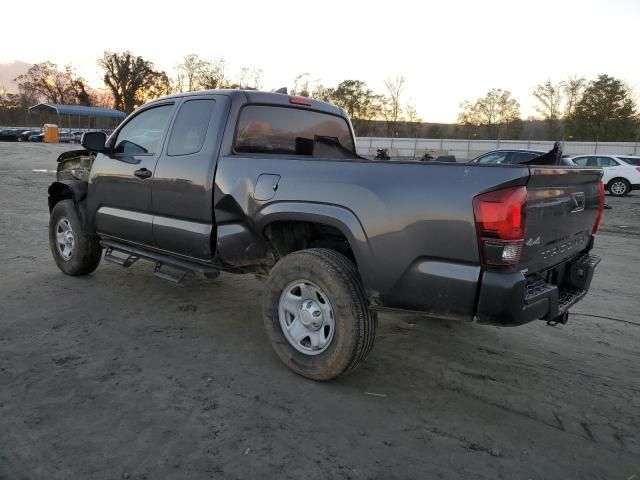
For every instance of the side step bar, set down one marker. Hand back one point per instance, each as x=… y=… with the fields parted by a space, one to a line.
x=181 y=268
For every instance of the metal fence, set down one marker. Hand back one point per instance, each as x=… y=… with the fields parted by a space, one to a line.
x=468 y=149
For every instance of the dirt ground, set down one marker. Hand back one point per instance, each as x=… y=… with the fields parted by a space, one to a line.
x=123 y=375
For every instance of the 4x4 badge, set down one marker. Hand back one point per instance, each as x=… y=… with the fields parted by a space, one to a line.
x=532 y=242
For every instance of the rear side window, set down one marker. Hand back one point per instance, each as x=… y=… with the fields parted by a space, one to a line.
x=521 y=157
x=602 y=162
x=635 y=161
x=288 y=131
x=142 y=134
x=190 y=127
x=582 y=161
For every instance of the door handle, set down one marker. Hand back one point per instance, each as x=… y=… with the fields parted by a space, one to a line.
x=143 y=173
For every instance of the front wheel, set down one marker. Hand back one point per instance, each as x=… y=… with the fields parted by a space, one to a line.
x=619 y=187
x=316 y=314
x=74 y=251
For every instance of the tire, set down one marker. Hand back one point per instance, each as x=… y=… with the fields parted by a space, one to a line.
x=78 y=253
x=347 y=329
x=619 y=187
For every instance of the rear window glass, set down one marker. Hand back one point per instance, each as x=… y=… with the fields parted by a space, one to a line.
x=288 y=131
x=635 y=161
x=190 y=127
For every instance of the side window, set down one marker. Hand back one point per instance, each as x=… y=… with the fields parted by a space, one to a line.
x=592 y=162
x=495 y=157
x=581 y=161
x=520 y=157
x=606 y=162
x=142 y=135
x=190 y=127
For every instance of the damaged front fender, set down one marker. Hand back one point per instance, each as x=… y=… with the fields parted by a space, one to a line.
x=75 y=165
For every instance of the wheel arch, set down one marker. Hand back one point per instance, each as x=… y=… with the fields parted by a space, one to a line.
x=74 y=190
x=336 y=217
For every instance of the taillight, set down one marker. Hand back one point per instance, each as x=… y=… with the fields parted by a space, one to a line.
x=638 y=168
x=596 y=225
x=501 y=220
x=300 y=101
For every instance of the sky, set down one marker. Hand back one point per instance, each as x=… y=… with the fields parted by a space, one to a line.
x=450 y=51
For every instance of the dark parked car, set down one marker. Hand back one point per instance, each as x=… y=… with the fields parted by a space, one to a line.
x=260 y=182
x=515 y=156
x=24 y=136
x=11 y=134
x=36 y=137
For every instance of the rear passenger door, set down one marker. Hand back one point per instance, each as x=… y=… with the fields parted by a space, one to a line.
x=606 y=163
x=182 y=188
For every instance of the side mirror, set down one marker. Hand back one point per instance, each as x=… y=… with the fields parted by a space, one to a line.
x=94 y=141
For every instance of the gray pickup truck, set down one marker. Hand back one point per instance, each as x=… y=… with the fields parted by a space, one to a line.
x=267 y=183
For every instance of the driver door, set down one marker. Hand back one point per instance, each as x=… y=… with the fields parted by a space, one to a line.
x=119 y=199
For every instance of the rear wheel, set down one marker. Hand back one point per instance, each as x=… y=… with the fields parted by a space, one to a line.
x=316 y=314
x=74 y=251
x=619 y=187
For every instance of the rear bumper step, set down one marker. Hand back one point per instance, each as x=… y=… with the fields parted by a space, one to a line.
x=511 y=299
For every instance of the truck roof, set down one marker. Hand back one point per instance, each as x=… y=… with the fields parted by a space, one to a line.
x=254 y=96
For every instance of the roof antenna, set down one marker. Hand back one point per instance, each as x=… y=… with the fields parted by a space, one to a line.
x=282 y=90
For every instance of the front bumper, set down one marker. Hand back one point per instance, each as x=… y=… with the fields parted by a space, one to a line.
x=511 y=299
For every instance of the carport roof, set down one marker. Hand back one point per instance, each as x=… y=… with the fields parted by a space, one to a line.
x=78 y=110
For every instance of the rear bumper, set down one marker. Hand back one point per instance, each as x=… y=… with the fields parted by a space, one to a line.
x=635 y=186
x=510 y=299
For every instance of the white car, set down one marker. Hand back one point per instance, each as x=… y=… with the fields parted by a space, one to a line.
x=621 y=172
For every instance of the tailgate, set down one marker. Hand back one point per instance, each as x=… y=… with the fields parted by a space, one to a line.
x=562 y=207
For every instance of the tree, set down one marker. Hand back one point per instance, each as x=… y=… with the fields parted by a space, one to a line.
x=322 y=93
x=159 y=86
x=393 y=110
x=435 y=131
x=353 y=96
x=412 y=118
x=190 y=72
x=212 y=75
x=605 y=111
x=81 y=91
x=572 y=89
x=132 y=79
x=549 y=97
x=496 y=110
x=301 y=87
x=250 y=78
x=46 y=81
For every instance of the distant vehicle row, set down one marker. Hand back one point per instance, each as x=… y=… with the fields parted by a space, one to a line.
x=36 y=135
x=621 y=172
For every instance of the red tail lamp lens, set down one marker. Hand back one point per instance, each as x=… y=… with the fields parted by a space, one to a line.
x=596 y=225
x=501 y=225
